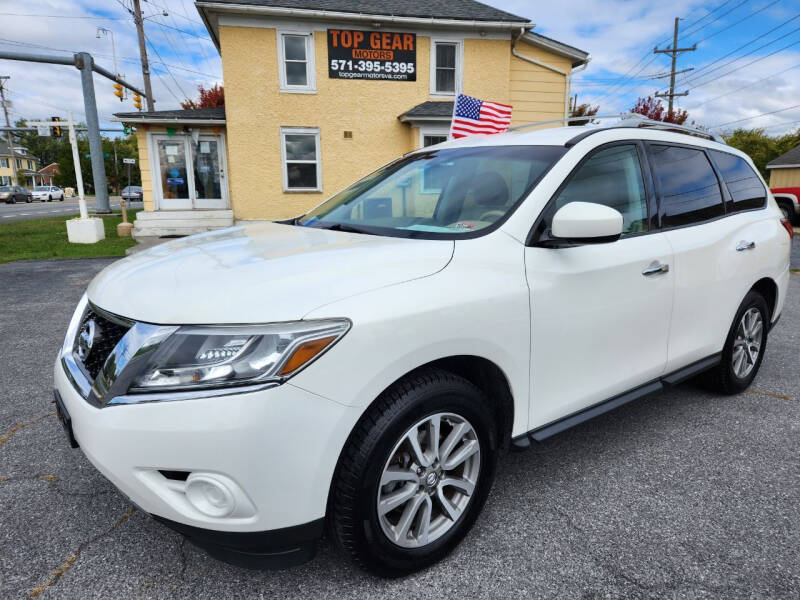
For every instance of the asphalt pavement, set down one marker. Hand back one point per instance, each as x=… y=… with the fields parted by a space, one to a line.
x=682 y=495
x=36 y=210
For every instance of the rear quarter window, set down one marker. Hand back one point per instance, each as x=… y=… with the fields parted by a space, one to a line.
x=746 y=190
x=688 y=185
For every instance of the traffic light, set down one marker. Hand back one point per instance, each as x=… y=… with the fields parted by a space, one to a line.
x=56 y=128
x=137 y=101
x=118 y=91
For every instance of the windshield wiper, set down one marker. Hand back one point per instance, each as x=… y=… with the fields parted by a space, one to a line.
x=347 y=228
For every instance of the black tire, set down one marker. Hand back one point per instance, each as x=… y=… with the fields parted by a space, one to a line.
x=49 y=198
x=28 y=199
x=354 y=519
x=722 y=378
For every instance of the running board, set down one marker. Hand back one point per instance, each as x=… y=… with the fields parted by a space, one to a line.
x=523 y=441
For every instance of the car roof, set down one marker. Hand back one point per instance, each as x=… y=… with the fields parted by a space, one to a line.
x=585 y=136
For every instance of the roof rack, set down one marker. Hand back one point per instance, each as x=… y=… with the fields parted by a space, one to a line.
x=625 y=120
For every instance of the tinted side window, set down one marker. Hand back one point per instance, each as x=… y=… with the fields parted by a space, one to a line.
x=689 y=187
x=745 y=187
x=612 y=177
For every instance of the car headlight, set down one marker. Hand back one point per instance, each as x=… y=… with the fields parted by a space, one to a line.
x=199 y=357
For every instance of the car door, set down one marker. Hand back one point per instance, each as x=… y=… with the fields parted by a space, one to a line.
x=716 y=242
x=600 y=313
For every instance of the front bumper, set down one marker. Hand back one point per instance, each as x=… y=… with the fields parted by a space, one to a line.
x=275 y=449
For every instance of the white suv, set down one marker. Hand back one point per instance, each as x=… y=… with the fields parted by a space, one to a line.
x=362 y=366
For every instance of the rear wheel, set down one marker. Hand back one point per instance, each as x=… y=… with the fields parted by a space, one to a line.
x=744 y=347
x=49 y=198
x=414 y=474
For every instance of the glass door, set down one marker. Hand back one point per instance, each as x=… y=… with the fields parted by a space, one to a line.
x=210 y=190
x=173 y=172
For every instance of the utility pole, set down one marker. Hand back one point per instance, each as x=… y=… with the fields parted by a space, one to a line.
x=9 y=139
x=137 y=19
x=674 y=51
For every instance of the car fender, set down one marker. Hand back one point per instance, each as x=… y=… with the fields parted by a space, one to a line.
x=476 y=306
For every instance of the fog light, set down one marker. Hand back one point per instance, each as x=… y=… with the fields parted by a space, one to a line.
x=209 y=495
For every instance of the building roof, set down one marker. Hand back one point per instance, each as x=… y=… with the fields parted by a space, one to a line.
x=576 y=55
x=467 y=10
x=4 y=151
x=432 y=110
x=198 y=115
x=786 y=160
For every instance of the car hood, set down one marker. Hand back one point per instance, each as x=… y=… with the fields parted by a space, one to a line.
x=257 y=273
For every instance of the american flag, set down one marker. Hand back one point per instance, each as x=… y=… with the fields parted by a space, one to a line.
x=471 y=116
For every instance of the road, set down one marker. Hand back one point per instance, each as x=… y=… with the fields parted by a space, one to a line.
x=35 y=210
x=682 y=495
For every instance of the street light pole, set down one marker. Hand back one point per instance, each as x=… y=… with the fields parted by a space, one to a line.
x=85 y=63
x=113 y=46
x=9 y=139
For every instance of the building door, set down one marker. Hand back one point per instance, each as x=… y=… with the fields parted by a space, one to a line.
x=173 y=173
x=189 y=174
x=210 y=190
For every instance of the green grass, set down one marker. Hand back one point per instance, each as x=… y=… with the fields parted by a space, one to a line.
x=47 y=238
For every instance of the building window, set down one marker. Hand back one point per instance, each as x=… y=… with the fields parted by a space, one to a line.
x=5 y=180
x=301 y=160
x=431 y=140
x=19 y=162
x=296 y=57
x=433 y=179
x=445 y=68
x=30 y=165
x=4 y=163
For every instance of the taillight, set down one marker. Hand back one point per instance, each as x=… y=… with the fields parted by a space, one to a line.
x=788 y=226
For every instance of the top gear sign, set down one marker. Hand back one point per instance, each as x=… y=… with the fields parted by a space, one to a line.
x=354 y=54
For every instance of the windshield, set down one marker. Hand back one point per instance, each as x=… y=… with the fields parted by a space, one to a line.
x=41 y=189
x=4 y=188
x=439 y=193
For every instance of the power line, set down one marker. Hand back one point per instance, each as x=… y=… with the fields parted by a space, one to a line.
x=59 y=16
x=752 y=62
x=742 y=20
x=695 y=76
x=158 y=54
x=717 y=18
x=773 y=112
x=100 y=55
x=747 y=86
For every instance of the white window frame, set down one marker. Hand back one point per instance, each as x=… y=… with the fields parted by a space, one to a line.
x=284 y=164
x=443 y=130
x=311 y=85
x=4 y=164
x=459 y=44
x=18 y=162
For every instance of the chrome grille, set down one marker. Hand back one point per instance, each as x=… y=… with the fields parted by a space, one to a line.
x=95 y=340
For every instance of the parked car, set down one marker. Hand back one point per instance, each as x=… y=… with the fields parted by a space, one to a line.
x=48 y=193
x=11 y=194
x=788 y=199
x=132 y=193
x=362 y=367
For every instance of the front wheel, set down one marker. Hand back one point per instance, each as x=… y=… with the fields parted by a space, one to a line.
x=414 y=474
x=744 y=348
x=49 y=198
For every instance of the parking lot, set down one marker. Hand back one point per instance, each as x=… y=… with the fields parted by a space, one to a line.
x=682 y=495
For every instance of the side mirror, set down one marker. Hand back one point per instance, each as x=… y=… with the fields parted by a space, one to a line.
x=586 y=223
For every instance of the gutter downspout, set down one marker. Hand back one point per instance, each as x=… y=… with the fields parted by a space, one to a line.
x=566 y=74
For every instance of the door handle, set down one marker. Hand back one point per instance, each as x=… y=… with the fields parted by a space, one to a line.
x=655 y=268
x=742 y=246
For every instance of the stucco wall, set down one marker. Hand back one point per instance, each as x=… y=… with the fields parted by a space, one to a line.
x=784 y=177
x=256 y=110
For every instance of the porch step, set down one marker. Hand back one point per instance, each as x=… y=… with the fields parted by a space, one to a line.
x=150 y=224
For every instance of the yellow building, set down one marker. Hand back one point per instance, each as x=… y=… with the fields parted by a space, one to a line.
x=320 y=92
x=27 y=166
x=784 y=171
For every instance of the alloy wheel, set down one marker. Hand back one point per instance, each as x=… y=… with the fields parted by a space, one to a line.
x=428 y=480
x=747 y=344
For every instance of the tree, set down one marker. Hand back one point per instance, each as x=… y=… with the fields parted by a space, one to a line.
x=583 y=110
x=762 y=148
x=652 y=108
x=209 y=98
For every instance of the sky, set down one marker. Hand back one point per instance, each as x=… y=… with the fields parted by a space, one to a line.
x=747 y=61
